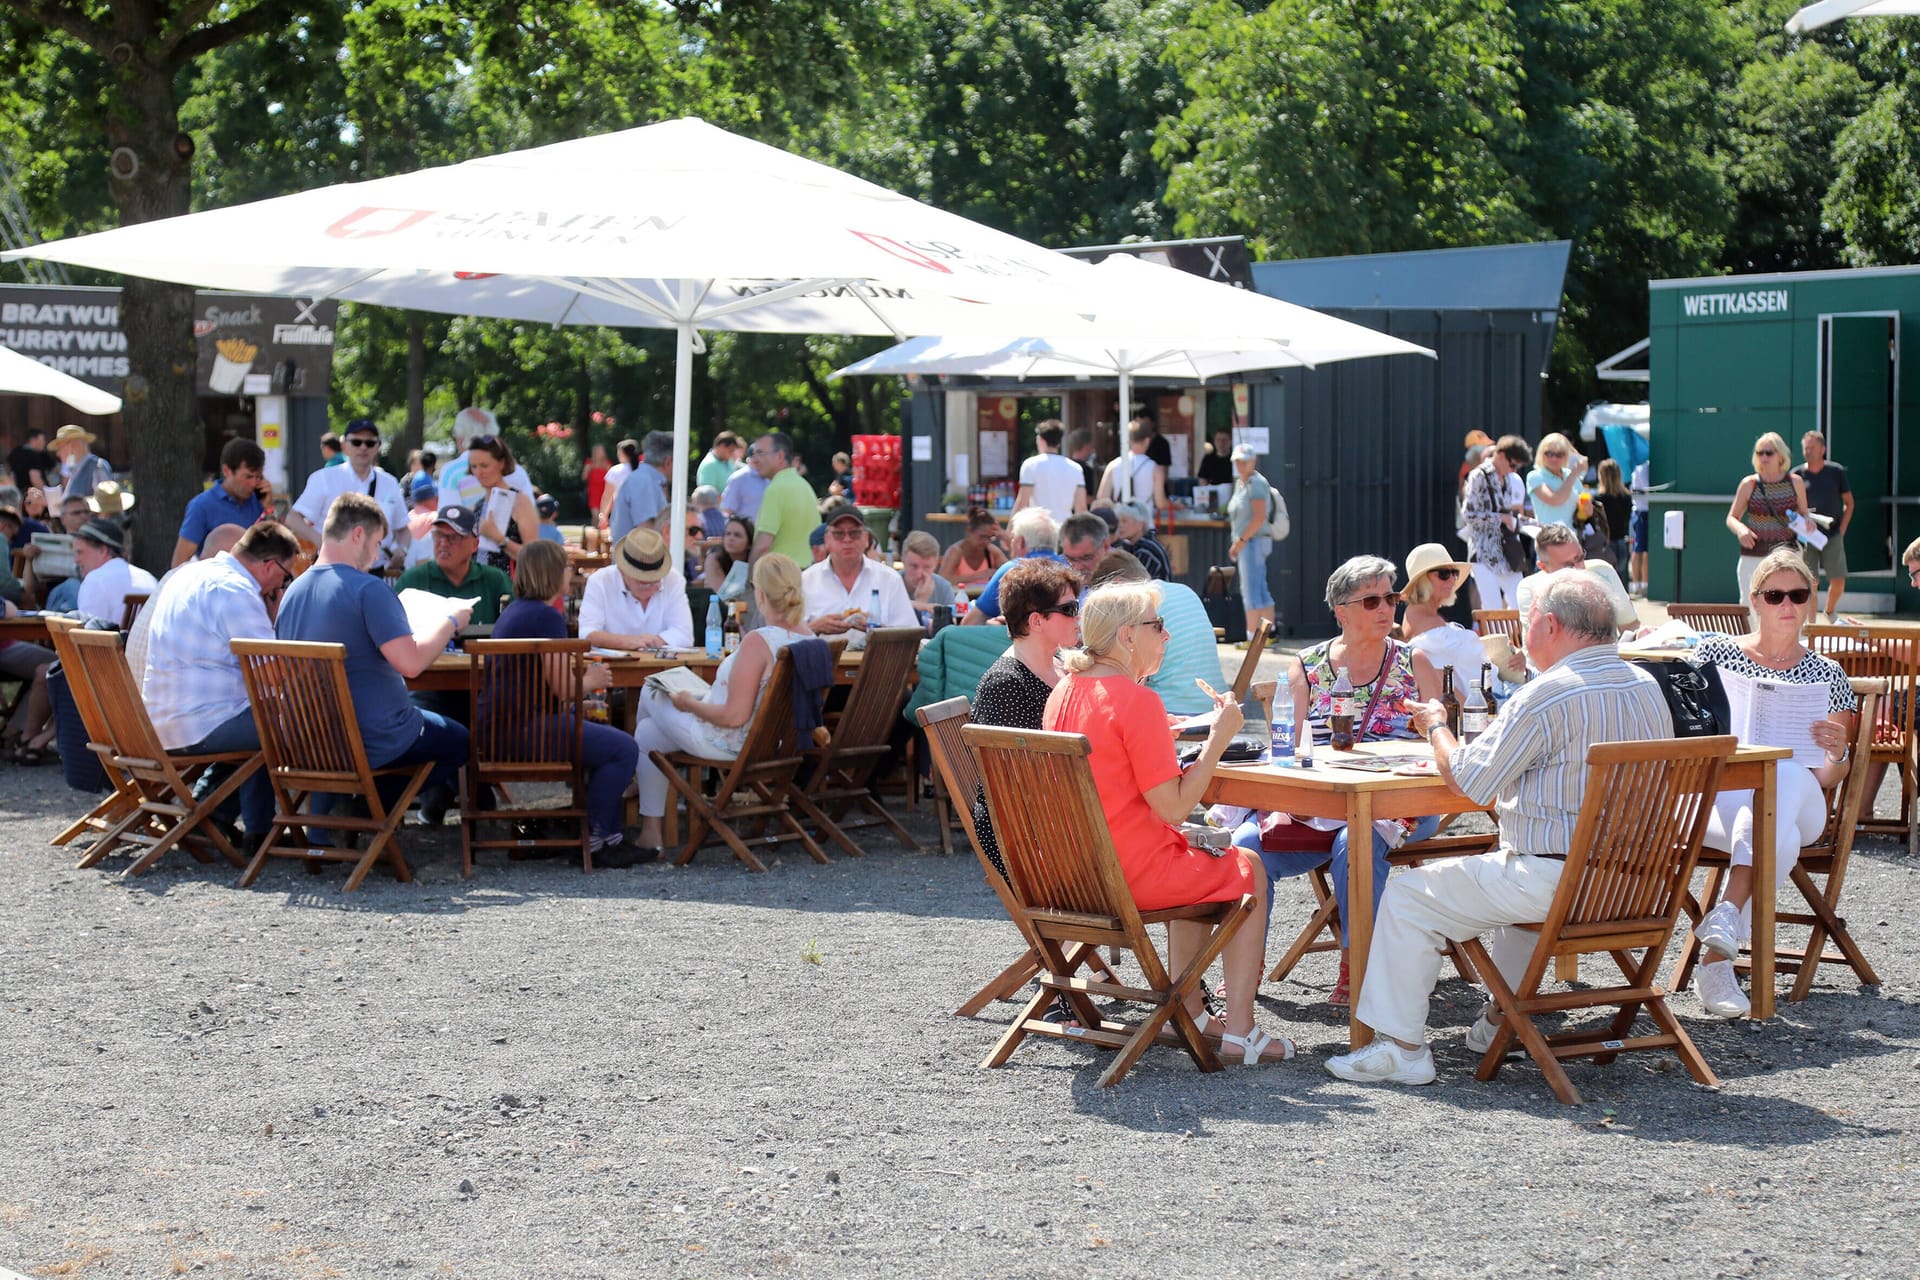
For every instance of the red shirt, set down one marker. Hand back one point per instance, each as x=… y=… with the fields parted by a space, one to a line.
x=596 y=485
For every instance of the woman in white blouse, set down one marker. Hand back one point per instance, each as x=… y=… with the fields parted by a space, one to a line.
x=1433 y=582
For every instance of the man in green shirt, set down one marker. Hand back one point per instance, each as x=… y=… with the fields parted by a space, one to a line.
x=453 y=572
x=789 y=512
x=721 y=461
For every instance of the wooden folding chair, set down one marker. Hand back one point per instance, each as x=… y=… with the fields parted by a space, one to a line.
x=125 y=797
x=1066 y=887
x=844 y=770
x=1634 y=850
x=164 y=812
x=130 y=606
x=1501 y=622
x=523 y=732
x=1727 y=619
x=958 y=775
x=1890 y=653
x=1250 y=665
x=755 y=786
x=311 y=739
x=1827 y=858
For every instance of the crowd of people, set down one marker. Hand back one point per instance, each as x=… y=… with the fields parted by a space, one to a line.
x=1097 y=640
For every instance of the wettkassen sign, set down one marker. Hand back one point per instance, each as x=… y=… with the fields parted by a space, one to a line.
x=76 y=330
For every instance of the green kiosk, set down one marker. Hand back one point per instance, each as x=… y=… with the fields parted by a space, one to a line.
x=1731 y=357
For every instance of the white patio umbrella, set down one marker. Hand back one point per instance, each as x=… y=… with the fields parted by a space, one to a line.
x=23 y=375
x=1183 y=327
x=1815 y=16
x=677 y=225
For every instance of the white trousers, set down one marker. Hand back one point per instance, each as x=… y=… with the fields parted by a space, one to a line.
x=1743 y=574
x=1499 y=586
x=661 y=726
x=1799 y=816
x=1449 y=901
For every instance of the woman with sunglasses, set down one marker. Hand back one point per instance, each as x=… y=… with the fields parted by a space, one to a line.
x=1433 y=583
x=1781 y=599
x=1146 y=796
x=1388 y=677
x=1762 y=504
x=1554 y=485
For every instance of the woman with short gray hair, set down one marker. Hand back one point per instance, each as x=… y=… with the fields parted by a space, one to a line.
x=1136 y=537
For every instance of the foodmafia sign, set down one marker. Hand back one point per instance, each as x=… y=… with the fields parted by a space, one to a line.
x=1747 y=302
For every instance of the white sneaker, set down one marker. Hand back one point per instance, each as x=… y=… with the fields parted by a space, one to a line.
x=1719 y=931
x=1384 y=1062
x=1720 y=993
x=1480 y=1035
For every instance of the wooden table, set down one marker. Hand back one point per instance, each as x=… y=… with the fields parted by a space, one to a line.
x=449 y=670
x=32 y=629
x=1328 y=791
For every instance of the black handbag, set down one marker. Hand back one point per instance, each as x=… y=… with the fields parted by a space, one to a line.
x=1220 y=596
x=1695 y=697
x=1514 y=548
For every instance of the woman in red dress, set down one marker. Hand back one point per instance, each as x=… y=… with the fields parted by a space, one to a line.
x=594 y=472
x=1146 y=796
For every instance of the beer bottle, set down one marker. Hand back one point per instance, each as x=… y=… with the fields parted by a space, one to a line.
x=1341 y=722
x=1486 y=691
x=1450 y=702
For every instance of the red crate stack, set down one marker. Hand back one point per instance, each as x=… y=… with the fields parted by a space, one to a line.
x=876 y=471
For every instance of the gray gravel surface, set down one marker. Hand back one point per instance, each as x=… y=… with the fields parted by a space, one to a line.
x=703 y=1072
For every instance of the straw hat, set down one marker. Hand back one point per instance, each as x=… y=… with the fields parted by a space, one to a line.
x=105 y=532
x=642 y=554
x=70 y=433
x=1480 y=438
x=110 y=499
x=1427 y=557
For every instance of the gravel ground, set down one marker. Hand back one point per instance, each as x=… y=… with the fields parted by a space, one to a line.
x=703 y=1072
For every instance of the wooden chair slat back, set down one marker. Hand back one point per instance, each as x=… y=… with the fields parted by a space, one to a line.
x=1250 y=665
x=880 y=688
x=1639 y=829
x=303 y=706
x=1847 y=801
x=1727 y=619
x=518 y=721
x=1049 y=822
x=770 y=732
x=1500 y=622
x=60 y=632
x=130 y=606
x=953 y=762
x=1878 y=653
x=103 y=666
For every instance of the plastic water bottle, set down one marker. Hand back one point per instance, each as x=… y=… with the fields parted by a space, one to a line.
x=716 y=626
x=1282 y=745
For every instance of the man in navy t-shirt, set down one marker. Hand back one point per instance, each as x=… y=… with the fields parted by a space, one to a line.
x=235 y=500
x=339 y=602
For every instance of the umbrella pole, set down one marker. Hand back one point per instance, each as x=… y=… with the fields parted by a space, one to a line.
x=682 y=443
x=1123 y=479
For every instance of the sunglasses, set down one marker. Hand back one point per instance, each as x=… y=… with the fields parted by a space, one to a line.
x=1799 y=595
x=1369 y=603
x=1071 y=609
x=1158 y=624
x=1763 y=453
x=1447 y=574
x=363 y=442
x=483 y=442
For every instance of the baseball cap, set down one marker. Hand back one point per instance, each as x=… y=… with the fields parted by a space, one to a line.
x=842 y=511
x=464 y=521
x=1245 y=453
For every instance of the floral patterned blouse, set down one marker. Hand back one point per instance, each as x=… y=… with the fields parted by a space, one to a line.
x=1398 y=692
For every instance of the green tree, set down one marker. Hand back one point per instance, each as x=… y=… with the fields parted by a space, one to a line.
x=1874 y=199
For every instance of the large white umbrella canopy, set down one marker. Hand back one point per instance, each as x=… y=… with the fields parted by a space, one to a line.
x=23 y=375
x=1182 y=327
x=1815 y=16
x=676 y=225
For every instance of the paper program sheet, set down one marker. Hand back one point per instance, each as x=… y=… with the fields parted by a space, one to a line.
x=1773 y=713
x=425 y=610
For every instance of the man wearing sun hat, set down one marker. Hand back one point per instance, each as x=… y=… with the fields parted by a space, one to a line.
x=639 y=601
x=81 y=469
x=100 y=549
x=454 y=572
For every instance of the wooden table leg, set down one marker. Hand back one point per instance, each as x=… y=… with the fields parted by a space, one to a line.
x=1765 y=797
x=1359 y=920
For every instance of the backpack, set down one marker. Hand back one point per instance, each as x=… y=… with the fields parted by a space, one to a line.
x=1278 y=523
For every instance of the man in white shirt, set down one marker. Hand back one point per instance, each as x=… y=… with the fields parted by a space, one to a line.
x=1557 y=547
x=359 y=475
x=1049 y=478
x=107 y=579
x=639 y=601
x=642 y=502
x=839 y=591
x=192 y=686
x=629 y=453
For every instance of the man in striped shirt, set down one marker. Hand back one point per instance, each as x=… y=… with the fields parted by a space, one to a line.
x=1533 y=763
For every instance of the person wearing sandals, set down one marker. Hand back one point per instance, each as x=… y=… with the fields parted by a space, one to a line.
x=1533 y=763
x=1783 y=595
x=1389 y=679
x=1146 y=795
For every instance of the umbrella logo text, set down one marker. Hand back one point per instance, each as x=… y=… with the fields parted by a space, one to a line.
x=377 y=222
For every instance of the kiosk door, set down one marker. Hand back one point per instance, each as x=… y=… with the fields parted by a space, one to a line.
x=1859 y=392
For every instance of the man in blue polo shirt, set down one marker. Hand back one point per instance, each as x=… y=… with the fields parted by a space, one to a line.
x=235 y=500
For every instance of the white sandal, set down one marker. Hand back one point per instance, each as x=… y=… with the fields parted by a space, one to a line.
x=1253 y=1047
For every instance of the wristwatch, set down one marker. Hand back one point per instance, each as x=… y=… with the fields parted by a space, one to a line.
x=1430 y=728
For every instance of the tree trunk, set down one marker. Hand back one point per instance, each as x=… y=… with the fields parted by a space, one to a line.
x=151 y=179
x=582 y=409
x=415 y=432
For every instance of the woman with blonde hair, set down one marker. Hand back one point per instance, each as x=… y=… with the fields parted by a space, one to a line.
x=1554 y=484
x=1782 y=597
x=1762 y=504
x=1146 y=797
x=715 y=726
